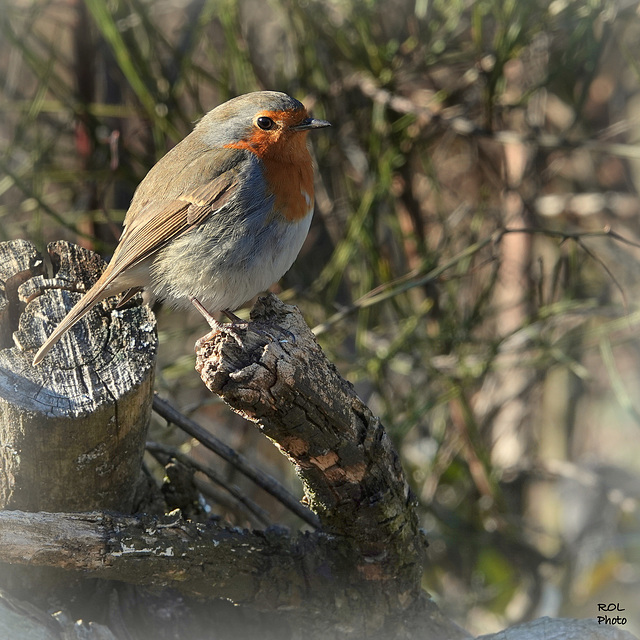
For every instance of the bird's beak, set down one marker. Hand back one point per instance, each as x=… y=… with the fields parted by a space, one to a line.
x=310 y=123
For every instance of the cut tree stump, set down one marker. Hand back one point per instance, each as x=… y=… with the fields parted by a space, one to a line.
x=72 y=429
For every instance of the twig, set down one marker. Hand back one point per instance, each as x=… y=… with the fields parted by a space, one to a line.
x=262 y=479
x=563 y=236
x=578 y=238
x=400 y=285
x=241 y=501
x=411 y=280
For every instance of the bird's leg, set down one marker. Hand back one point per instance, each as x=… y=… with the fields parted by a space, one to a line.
x=239 y=321
x=236 y=321
x=233 y=317
x=213 y=323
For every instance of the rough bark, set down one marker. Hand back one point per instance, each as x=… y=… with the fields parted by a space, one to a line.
x=312 y=577
x=72 y=428
x=269 y=569
x=273 y=372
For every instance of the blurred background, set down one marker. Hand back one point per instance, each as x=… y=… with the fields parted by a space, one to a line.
x=472 y=266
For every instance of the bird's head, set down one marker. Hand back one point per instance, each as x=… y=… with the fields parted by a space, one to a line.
x=270 y=124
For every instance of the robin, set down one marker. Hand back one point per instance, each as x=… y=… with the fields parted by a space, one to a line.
x=221 y=217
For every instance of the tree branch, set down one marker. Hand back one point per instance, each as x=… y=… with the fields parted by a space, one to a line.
x=273 y=372
x=208 y=440
x=207 y=561
x=309 y=575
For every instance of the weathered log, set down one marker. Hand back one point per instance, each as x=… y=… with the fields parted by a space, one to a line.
x=251 y=567
x=268 y=569
x=308 y=575
x=72 y=430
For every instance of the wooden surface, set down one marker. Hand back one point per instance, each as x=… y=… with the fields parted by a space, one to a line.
x=73 y=428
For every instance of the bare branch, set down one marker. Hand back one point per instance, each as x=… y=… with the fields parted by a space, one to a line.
x=416 y=278
x=207 y=561
x=241 y=502
x=262 y=479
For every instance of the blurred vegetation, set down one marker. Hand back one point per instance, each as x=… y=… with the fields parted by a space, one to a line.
x=472 y=265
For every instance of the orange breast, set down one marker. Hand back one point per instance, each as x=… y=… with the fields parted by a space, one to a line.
x=288 y=169
x=291 y=182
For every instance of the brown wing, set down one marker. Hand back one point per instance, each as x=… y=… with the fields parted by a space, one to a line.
x=159 y=222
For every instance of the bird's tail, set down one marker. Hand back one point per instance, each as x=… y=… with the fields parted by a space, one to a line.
x=96 y=294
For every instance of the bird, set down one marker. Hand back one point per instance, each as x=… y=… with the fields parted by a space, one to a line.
x=220 y=217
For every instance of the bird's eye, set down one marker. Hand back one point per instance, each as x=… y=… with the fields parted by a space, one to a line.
x=265 y=123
